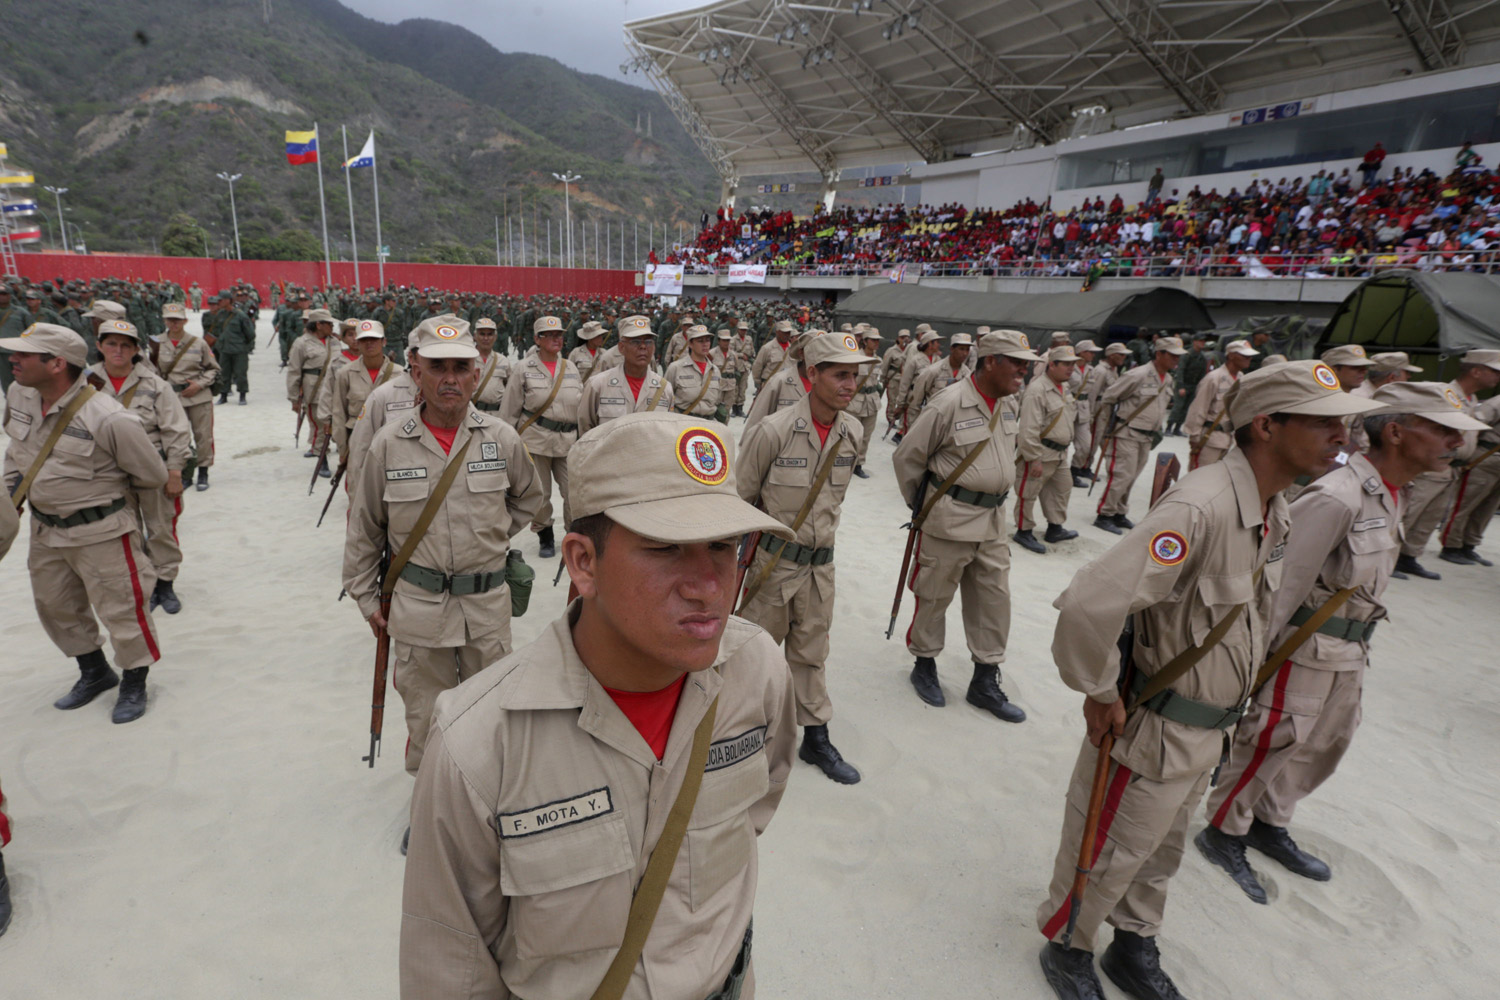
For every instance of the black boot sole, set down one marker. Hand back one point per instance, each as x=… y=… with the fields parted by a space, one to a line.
x=87 y=695
x=1065 y=985
x=1006 y=711
x=1248 y=883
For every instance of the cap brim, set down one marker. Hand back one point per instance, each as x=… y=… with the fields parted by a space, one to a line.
x=1173 y=350
x=1455 y=420
x=448 y=351
x=1334 y=404
x=1020 y=355
x=700 y=517
x=1414 y=369
x=19 y=345
x=369 y=335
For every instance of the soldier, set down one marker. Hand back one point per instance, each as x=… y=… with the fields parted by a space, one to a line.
x=745 y=348
x=586 y=354
x=695 y=381
x=126 y=377
x=890 y=372
x=13 y=320
x=1189 y=372
x=389 y=316
x=955 y=467
x=772 y=354
x=391 y=401
x=1081 y=384
x=541 y=401
x=1139 y=403
x=1048 y=415
x=1349 y=362
x=1476 y=493
x=1430 y=495
x=1385 y=368
x=939 y=375
x=232 y=336
x=98 y=311
x=867 y=392
x=796 y=465
x=734 y=371
x=608 y=718
x=353 y=384
x=10 y=526
x=309 y=365
x=75 y=454
x=494 y=368
x=605 y=396
x=677 y=346
x=1108 y=372
x=1207 y=421
x=450 y=606
x=783 y=388
x=1204 y=569
x=924 y=353
x=195 y=296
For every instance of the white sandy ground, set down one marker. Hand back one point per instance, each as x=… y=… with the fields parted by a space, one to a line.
x=232 y=844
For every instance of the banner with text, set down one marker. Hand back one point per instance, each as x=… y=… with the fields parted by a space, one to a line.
x=742 y=274
x=664 y=279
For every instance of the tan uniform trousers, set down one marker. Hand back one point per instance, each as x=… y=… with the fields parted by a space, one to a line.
x=1126 y=456
x=112 y=579
x=980 y=572
x=1290 y=741
x=1427 y=500
x=741 y=386
x=1052 y=480
x=201 y=417
x=797 y=613
x=159 y=514
x=868 y=423
x=1083 y=443
x=1142 y=829
x=549 y=468
x=1477 y=497
x=424 y=672
x=1208 y=456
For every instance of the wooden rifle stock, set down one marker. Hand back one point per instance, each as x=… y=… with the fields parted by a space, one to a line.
x=748 y=544
x=1109 y=436
x=301 y=415
x=911 y=541
x=333 y=488
x=382 y=660
x=322 y=457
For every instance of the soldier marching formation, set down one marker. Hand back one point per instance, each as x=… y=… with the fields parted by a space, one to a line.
x=553 y=793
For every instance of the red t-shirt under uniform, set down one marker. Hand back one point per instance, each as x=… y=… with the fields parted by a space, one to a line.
x=651 y=712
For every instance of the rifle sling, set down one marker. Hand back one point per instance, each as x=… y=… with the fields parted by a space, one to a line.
x=494 y=363
x=807 y=506
x=129 y=395
x=182 y=349
x=661 y=387
x=424 y=519
x=702 y=391
x=1304 y=632
x=84 y=395
x=547 y=403
x=1186 y=660
x=1135 y=413
x=1486 y=454
x=953 y=477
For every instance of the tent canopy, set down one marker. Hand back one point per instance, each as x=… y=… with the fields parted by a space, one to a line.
x=1096 y=314
x=1420 y=313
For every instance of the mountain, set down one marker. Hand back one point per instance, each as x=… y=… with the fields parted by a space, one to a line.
x=143 y=103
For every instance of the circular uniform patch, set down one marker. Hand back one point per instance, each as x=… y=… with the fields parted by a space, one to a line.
x=1453 y=399
x=1168 y=548
x=851 y=343
x=703 y=456
x=1024 y=342
x=1325 y=376
x=365 y=325
x=446 y=332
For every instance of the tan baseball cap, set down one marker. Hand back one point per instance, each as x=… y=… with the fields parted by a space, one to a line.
x=1241 y=347
x=1436 y=401
x=1490 y=359
x=49 y=338
x=1305 y=388
x=444 y=336
x=547 y=325
x=484 y=323
x=119 y=326
x=634 y=326
x=1116 y=348
x=724 y=334
x=1351 y=356
x=593 y=328
x=369 y=329
x=743 y=324
x=1172 y=345
x=349 y=324
x=681 y=486
x=927 y=337
x=923 y=327
x=1087 y=345
x=1392 y=361
x=835 y=349
x=961 y=340
x=870 y=333
x=319 y=316
x=903 y=332
x=1060 y=335
x=1273 y=359
x=782 y=326
x=173 y=310
x=105 y=309
x=1063 y=352
x=1008 y=344
x=694 y=332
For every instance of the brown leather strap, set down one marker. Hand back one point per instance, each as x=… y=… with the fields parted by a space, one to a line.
x=494 y=363
x=1481 y=458
x=1186 y=660
x=129 y=396
x=556 y=385
x=1304 y=631
x=661 y=387
x=806 y=508
x=84 y=395
x=424 y=519
x=182 y=349
x=963 y=466
x=702 y=390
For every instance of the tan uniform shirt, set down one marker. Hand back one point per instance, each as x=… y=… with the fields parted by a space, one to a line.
x=342 y=360
x=745 y=348
x=198 y=367
x=915 y=364
x=157 y=407
x=538 y=806
x=494 y=496
x=1141 y=389
x=1189 y=562
x=610 y=358
x=694 y=392
x=607 y=396
x=347 y=393
x=732 y=365
x=306 y=360
x=528 y=387
x=398 y=397
x=929 y=382
x=866 y=402
x=1081 y=388
x=10 y=527
x=1208 y=406
x=493 y=374
x=1048 y=412
x=584 y=360
x=953 y=424
x=103 y=453
x=781 y=390
x=891 y=363
x=676 y=347
x=769 y=361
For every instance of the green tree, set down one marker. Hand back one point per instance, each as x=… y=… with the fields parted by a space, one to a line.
x=291 y=244
x=183 y=237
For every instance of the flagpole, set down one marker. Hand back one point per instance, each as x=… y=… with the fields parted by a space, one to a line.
x=349 y=192
x=323 y=206
x=375 y=179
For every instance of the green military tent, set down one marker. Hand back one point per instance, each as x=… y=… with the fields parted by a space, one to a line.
x=1440 y=314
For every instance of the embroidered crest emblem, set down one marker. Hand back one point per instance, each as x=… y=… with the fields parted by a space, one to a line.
x=1168 y=548
x=446 y=332
x=703 y=456
x=851 y=343
x=1325 y=376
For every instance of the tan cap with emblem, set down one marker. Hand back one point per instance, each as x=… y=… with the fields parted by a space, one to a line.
x=1304 y=388
x=546 y=324
x=1241 y=347
x=105 y=309
x=1436 y=401
x=681 y=485
x=173 y=310
x=1347 y=356
x=1063 y=352
x=369 y=329
x=484 y=323
x=1087 y=345
x=694 y=332
x=49 y=338
x=634 y=326
x=1490 y=359
x=961 y=340
x=444 y=336
x=835 y=349
x=1007 y=344
x=1116 y=348
x=1172 y=345
x=119 y=326
x=1392 y=361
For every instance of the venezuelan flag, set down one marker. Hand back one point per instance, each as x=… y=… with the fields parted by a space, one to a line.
x=302 y=147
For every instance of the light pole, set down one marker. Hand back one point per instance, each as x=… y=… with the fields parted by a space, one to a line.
x=568 y=179
x=58 y=193
x=233 y=215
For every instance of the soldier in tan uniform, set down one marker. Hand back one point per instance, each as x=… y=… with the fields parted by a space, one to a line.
x=1049 y=414
x=86 y=557
x=745 y=348
x=548 y=783
x=353 y=383
x=1429 y=496
x=1386 y=367
x=1140 y=399
x=633 y=387
x=450 y=609
x=392 y=401
x=188 y=363
x=677 y=345
x=541 y=402
x=785 y=387
x=1207 y=424
x=924 y=352
x=1080 y=387
x=772 y=354
x=734 y=371
x=1209 y=553
x=696 y=387
x=891 y=364
x=494 y=367
x=1346 y=534
x=586 y=355
x=799 y=456
x=129 y=379
x=940 y=375
x=1350 y=363
x=867 y=392
x=963 y=547
x=1477 y=466
x=309 y=363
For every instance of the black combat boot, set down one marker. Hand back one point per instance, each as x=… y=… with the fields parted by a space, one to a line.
x=323 y=469
x=1057 y=533
x=924 y=678
x=859 y=470
x=1028 y=541
x=1455 y=555
x=546 y=544
x=1409 y=565
x=1070 y=972
x=1275 y=843
x=243 y=400
x=4 y=898
x=1104 y=522
x=1133 y=964
x=132 y=701
x=897 y=438
x=1081 y=479
x=819 y=752
x=739 y=411
x=223 y=398
x=1124 y=522
x=165 y=598
x=1475 y=557
x=985 y=693
x=310 y=453
x=96 y=677
x=202 y=479
x=1228 y=852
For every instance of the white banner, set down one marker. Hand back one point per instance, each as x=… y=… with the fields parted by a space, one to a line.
x=747 y=274
x=664 y=279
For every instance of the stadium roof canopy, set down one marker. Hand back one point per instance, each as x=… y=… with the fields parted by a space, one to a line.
x=774 y=86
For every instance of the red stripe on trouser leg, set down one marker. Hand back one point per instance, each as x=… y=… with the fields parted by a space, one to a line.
x=140 y=601
x=911 y=584
x=1458 y=500
x=1113 y=447
x=1106 y=819
x=4 y=822
x=1262 y=745
x=176 y=513
x=1021 y=497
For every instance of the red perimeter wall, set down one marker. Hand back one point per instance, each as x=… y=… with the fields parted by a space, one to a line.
x=213 y=274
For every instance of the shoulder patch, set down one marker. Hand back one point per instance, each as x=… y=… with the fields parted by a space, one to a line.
x=1168 y=548
x=489 y=450
x=1371 y=486
x=410 y=425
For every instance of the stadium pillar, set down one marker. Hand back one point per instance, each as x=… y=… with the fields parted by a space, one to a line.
x=726 y=196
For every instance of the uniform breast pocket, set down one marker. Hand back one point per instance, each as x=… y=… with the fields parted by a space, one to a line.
x=404 y=499
x=1217 y=597
x=569 y=888
x=491 y=481
x=72 y=458
x=720 y=837
x=790 y=473
x=1370 y=550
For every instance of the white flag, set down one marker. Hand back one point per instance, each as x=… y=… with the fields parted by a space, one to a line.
x=366 y=156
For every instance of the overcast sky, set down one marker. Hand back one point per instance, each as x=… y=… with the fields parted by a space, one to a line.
x=584 y=34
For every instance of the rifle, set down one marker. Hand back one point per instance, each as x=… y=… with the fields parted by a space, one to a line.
x=1167 y=470
x=749 y=542
x=301 y=414
x=382 y=658
x=322 y=456
x=333 y=488
x=1109 y=435
x=913 y=530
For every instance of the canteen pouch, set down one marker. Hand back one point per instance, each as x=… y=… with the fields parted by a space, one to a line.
x=519 y=577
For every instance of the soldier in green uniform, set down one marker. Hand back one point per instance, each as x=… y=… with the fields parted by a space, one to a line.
x=233 y=342
x=1189 y=373
x=392 y=318
x=14 y=318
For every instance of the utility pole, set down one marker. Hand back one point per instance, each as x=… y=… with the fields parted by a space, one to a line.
x=568 y=179
x=58 y=192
